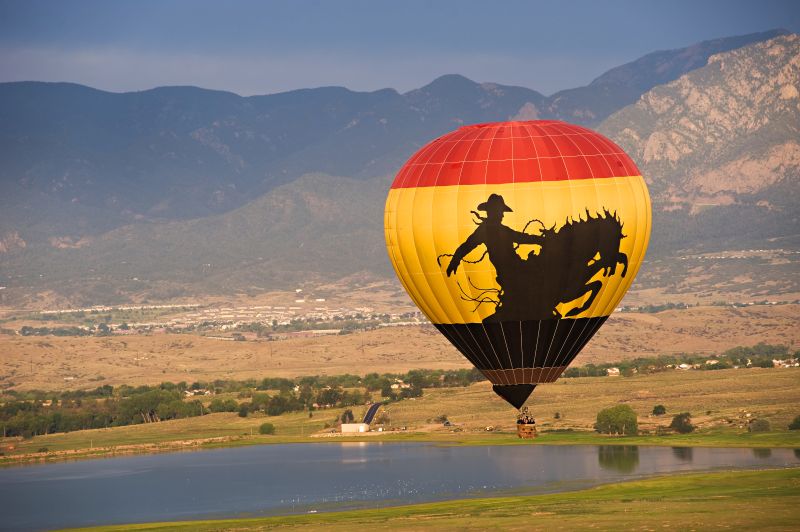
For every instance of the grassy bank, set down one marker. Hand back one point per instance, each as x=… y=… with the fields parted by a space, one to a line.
x=759 y=500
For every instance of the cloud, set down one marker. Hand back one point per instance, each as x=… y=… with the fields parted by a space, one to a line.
x=127 y=70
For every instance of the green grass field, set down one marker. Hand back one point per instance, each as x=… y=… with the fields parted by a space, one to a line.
x=721 y=403
x=741 y=500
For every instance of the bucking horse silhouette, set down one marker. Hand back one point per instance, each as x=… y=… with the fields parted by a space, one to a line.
x=560 y=273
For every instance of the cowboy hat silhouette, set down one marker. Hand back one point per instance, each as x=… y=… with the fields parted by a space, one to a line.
x=495 y=203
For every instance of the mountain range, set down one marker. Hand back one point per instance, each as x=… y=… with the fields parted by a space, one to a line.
x=105 y=195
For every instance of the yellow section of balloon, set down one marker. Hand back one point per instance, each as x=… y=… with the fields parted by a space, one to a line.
x=424 y=223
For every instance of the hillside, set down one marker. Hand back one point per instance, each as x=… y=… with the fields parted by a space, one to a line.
x=78 y=161
x=317 y=227
x=718 y=147
x=623 y=85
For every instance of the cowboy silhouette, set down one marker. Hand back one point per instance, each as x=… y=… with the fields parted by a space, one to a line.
x=499 y=240
x=562 y=271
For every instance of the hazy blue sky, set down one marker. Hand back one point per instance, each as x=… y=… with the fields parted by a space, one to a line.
x=253 y=47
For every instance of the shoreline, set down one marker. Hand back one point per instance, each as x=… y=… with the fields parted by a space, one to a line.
x=678 y=501
x=786 y=439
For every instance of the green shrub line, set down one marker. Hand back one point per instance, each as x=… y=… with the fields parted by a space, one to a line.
x=760 y=355
x=33 y=413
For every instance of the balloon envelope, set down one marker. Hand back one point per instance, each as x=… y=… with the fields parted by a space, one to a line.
x=517 y=240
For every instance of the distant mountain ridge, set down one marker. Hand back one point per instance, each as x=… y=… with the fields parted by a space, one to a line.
x=687 y=136
x=78 y=161
x=720 y=148
x=624 y=84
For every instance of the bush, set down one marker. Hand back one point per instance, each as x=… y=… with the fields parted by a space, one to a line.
x=682 y=423
x=223 y=405
x=43 y=450
x=266 y=428
x=243 y=410
x=758 y=425
x=659 y=410
x=795 y=424
x=347 y=416
x=619 y=419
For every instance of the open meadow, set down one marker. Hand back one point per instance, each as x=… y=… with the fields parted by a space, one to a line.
x=63 y=362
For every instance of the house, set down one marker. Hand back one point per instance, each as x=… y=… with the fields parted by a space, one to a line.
x=612 y=372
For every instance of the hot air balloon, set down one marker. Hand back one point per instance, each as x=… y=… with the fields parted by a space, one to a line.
x=517 y=240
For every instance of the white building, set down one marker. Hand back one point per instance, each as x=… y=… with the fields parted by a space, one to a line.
x=354 y=427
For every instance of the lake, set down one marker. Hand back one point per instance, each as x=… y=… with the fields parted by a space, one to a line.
x=300 y=478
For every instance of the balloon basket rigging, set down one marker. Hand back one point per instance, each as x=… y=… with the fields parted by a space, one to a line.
x=526 y=425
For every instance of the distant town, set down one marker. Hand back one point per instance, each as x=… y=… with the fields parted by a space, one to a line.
x=305 y=317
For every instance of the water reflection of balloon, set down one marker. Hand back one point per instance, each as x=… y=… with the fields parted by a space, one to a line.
x=517 y=240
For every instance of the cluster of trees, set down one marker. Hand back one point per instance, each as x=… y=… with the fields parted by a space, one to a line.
x=620 y=419
x=27 y=330
x=28 y=418
x=682 y=423
x=29 y=413
x=347 y=324
x=305 y=396
x=759 y=355
x=651 y=309
x=373 y=382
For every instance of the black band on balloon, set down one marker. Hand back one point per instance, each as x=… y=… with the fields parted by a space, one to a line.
x=510 y=345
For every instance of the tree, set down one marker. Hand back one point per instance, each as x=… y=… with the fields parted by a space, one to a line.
x=758 y=425
x=329 y=396
x=278 y=405
x=659 y=410
x=223 y=405
x=259 y=401
x=266 y=428
x=347 y=416
x=620 y=419
x=416 y=378
x=372 y=382
x=243 y=410
x=386 y=390
x=682 y=423
x=795 y=424
x=412 y=391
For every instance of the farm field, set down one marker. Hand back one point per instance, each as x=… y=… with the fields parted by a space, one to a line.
x=678 y=502
x=57 y=362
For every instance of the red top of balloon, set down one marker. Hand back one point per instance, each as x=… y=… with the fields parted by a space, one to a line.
x=515 y=152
